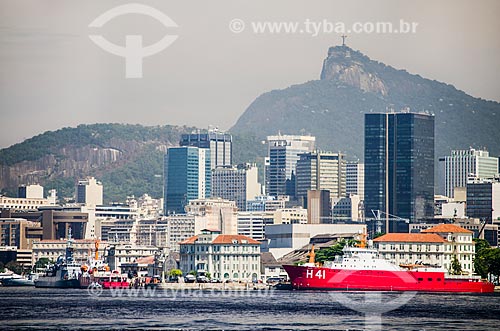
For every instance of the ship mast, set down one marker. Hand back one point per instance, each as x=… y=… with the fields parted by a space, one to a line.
x=96 y=249
x=312 y=255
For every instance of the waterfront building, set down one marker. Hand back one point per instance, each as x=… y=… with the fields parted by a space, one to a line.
x=225 y=257
x=187 y=177
x=239 y=184
x=483 y=200
x=89 y=192
x=270 y=267
x=355 y=179
x=463 y=165
x=219 y=143
x=125 y=253
x=399 y=165
x=283 y=153
x=253 y=223
x=321 y=171
x=437 y=245
x=52 y=249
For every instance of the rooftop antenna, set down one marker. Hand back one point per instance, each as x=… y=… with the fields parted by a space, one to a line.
x=344 y=37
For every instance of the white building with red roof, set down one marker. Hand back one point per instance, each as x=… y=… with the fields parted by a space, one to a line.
x=436 y=246
x=224 y=256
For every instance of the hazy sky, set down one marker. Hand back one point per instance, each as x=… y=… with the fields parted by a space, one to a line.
x=52 y=75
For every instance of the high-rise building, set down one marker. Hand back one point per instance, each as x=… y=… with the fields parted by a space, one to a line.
x=463 y=165
x=483 y=200
x=283 y=155
x=355 y=179
x=399 y=165
x=30 y=191
x=187 y=177
x=253 y=223
x=239 y=184
x=318 y=206
x=321 y=171
x=89 y=192
x=219 y=144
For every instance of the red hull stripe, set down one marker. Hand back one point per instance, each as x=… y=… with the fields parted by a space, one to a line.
x=309 y=278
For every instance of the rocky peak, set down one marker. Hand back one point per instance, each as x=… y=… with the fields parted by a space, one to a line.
x=352 y=68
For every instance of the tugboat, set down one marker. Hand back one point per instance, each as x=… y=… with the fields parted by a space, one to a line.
x=64 y=273
x=362 y=269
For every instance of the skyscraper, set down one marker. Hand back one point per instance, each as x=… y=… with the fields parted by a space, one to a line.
x=239 y=184
x=483 y=199
x=463 y=165
x=187 y=177
x=399 y=164
x=219 y=143
x=355 y=179
x=283 y=155
x=321 y=171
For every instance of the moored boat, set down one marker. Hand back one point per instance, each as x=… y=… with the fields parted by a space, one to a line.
x=96 y=273
x=362 y=269
x=63 y=274
x=18 y=280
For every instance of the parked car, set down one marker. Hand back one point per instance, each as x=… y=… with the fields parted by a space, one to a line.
x=201 y=279
x=275 y=280
x=189 y=279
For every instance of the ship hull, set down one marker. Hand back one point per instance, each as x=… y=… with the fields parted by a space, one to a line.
x=85 y=282
x=47 y=282
x=12 y=282
x=316 y=278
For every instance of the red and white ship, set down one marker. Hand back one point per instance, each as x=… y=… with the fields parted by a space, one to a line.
x=362 y=269
x=96 y=273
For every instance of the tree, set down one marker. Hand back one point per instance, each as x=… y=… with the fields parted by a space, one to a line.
x=14 y=267
x=481 y=263
x=329 y=253
x=192 y=272
x=456 y=267
x=41 y=263
x=493 y=260
x=208 y=275
x=175 y=273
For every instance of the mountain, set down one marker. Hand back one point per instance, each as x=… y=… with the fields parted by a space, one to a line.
x=128 y=159
x=351 y=84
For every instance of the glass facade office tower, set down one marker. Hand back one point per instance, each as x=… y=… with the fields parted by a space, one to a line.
x=283 y=155
x=219 y=143
x=187 y=177
x=399 y=165
x=321 y=171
